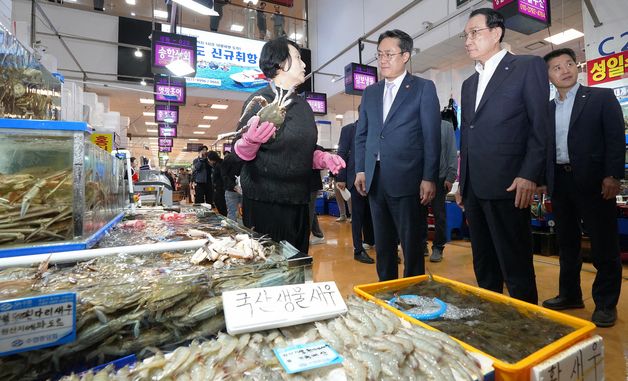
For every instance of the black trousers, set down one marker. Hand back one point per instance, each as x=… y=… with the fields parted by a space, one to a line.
x=219 y=200
x=203 y=193
x=361 y=221
x=501 y=242
x=394 y=219
x=440 y=215
x=600 y=220
x=279 y=221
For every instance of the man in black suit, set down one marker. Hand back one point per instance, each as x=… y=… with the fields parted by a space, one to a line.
x=504 y=119
x=585 y=163
x=360 y=212
x=397 y=151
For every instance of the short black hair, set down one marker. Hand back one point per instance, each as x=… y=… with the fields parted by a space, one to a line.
x=405 y=41
x=213 y=156
x=559 y=52
x=202 y=148
x=132 y=159
x=494 y=19
x=274 y=53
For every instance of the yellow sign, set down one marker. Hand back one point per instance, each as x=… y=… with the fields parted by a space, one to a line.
x=104 y=141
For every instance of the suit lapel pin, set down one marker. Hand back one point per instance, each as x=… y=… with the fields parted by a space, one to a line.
x=584 y=96
x=506 y=68
x=407 y=86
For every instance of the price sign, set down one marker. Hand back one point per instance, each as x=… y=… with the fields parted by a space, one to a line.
x=584 y=362
x=37 y=322
x=303 y=357
x=257 y=309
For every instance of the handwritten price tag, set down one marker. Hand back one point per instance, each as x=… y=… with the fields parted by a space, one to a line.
x=303 y=357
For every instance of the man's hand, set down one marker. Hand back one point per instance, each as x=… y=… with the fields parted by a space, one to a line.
x=341 y=185
x=428 y=191
x=610 y=187
x=458 y=198
x=525 y=192
x=448 y=186
x=360 y=183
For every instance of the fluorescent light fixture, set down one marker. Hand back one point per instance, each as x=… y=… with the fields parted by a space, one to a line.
x=150 y=123
x=130 y=2
x=296 y=36
x=210 y=117
x=143 y=83
x=198 y=132
x=193 y=139
x=219 y=107
x=160 y=14
x=180 y=68
x=340 y=116
x=132 y=13
x=204 y=125
x=145 y=113
x=237 y=28
x=147 y=101
x=153 y=138
x=562 y=37
x=151 y=130
x=254 y=2
x=197 y=7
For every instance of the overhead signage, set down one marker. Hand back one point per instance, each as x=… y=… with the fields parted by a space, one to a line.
x=226 y=62
x=317 y=101
x=104 y=141
x=524 y=16
x=583 y=361
x=194 y=147
x=37 y=322
x=168 y=48
x=166 y=114
x=607 y=68
x=257 y=309
x=359 y=77
x=169 y=90
x=167 y=130
x=166 y=142
x=165 y=149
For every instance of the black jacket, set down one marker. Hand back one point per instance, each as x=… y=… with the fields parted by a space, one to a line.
x=346 y=148
x=201 y=171
x=230 y=168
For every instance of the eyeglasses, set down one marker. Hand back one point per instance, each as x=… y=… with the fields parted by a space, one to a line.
x=472 y=34
x=389 y=56
x=558 y=68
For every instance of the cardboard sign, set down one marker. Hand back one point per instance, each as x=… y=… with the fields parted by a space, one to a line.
x=302 y=357
x=583 y=362
x=37 y=322
x=257 y=309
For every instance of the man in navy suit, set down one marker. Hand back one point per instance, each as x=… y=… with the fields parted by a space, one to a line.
x=361 y=221
x=585 y=163
x=397 y=151
x=505 y=115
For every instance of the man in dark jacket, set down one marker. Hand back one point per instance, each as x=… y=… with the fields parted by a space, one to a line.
x=218 y=187
x=230 y=172
x=202 y=177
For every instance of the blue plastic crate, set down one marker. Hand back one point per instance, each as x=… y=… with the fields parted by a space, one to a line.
x=332 y=208
x=320 y=205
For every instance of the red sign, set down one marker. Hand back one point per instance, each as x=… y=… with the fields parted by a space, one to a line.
x=500 y=3
x=608 y=68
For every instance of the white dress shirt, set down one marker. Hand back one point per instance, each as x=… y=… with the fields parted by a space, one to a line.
x=563 y=119
x=397 y=81
x=486 y=72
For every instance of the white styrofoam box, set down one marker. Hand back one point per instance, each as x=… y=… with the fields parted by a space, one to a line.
x=96 y=115
x=111 y=120
x=67 y=101
x=79 y=101
x=90 y=99
x=104 y=99
x=125 y=121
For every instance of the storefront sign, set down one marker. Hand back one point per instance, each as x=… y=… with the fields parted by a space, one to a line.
x=170 y=90
x=317 y=101
x=226 y=62
x=170 y=47
x=608 y=68
x=583 y=361
x=257 y=309
x=37 y=322
x=500 y=3
x=104 y=141
x=302 y=357
x=166 y=142
x=194 y=147
x=359 y=77
x=534 y=8
x=166 y=114
x=167 y=131
x=524 y=16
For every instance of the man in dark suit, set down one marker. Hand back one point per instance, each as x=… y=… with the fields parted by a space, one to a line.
x=585 y=163
x=361 y=221
x=397 y=151
x=504 y=119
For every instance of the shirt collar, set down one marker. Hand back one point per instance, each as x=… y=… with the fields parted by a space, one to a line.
x=491 y=63
x=570 y=94
x=397 y=81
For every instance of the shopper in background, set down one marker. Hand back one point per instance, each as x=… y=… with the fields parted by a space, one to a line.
x=585 y=163
x=261 y=20
x=278 y=21
x=230 y=171
x=279 y=161
x=316 y=184
x=202 y=177
x=344 y=206
x=504 y=118
x=184 y=183
x=168 y=174
x=135 y=173
x=361 y=223
x=218 y=187
x=214 y=21
x=397 y=149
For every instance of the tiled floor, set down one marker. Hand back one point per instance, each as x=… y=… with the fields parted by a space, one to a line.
x=334 y=261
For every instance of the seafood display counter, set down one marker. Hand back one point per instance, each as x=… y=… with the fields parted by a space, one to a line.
x=514 y=334
x=58 y=191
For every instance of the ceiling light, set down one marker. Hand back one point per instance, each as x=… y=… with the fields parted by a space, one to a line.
x=138 y=53
x=150 y=123
x=147 y=101
x=151 y=130
x=237 y=28
x=193 y=139
x=296 y=36
x=254 y=2
x=180 y=68
x=143 y=83
x=339 y=116
x=219 y=107
x=130 y=2
x=153 y=138
x=198 y=132
x=132 y=13
x=145 y=113
x=197 y=7
x=160 y=14
x=562 y=37
x=210 y=117
x=204 y=125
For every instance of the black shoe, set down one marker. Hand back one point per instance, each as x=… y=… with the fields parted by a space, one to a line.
x=426 y=252
x=437 y=254
x=363 y=257
x=560 y=303
x=604 y=317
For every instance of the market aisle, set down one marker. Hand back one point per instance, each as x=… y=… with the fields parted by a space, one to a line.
x=334 y=261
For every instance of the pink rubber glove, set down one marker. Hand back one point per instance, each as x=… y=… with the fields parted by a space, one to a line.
x=322 y=160
x=256 y=135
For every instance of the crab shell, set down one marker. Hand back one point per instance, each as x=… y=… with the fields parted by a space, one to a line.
x=272 y=113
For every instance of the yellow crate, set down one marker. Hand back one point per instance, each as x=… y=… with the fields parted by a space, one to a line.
x=504 y=371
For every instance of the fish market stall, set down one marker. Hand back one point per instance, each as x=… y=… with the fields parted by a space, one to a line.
x=154 y=188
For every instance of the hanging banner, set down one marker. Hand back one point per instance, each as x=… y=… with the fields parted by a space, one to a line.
x=166 y=114
x=524 y=16
x=169 y=90
x=167 y=131
x=168 y=48
x=104 y=141
x=359 y=77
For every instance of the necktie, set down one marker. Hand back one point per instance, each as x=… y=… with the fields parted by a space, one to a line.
x=388 y=98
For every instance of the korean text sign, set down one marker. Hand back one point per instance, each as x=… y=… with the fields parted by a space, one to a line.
x=37 y=322
x=165 y=113
x=170 y=90
x=607 y=68
x=170 y=47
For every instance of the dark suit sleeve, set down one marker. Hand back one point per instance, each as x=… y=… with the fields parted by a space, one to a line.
x=343 y=152
x=361 y=132
x=614 y=138
x=535 y=96
x=430 y=125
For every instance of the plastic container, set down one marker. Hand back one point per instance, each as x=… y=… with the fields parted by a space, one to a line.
x=504 y=371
